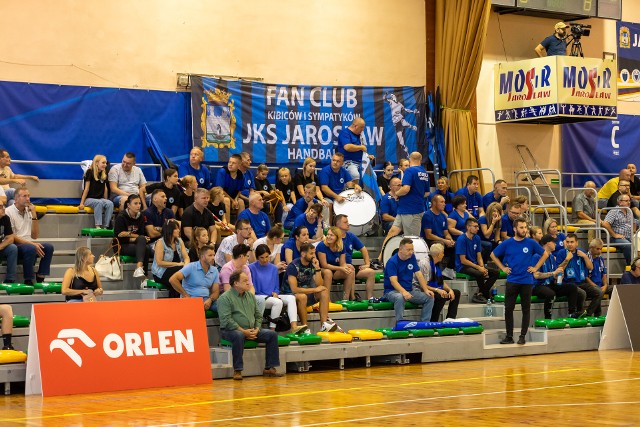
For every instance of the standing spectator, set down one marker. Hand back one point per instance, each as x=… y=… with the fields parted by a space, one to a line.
x=26 y=229
x=195 y=168
x=635 y=183
x=351 y=147
x=8 y=177
x=197 y=215
x=255 y=215
x=499 y=195
x=96 y=193
x=156 y=215
x=81 y=279
x=473 y=196
x=8 y=249
x=170 y=255
x=129 y=229
x=384 y=179
x=621 y=226
x=170 y=187
x=189 y=185
x=232 y=182
x=126 y=179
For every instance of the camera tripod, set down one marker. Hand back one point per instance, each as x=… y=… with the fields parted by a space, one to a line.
x=576 y=47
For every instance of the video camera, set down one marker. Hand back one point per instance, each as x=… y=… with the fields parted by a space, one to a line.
x=579 y=30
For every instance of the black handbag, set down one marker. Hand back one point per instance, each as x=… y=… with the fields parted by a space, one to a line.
x=282 y=322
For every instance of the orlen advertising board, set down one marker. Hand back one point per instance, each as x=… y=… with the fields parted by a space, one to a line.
x=555 y=86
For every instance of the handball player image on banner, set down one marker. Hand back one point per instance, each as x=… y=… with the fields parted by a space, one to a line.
x=284 y=124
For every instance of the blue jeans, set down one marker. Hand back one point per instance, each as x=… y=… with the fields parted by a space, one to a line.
x=10 y=252
x=625 y=247
x=10 y=193
x=417 y=297
x=102 y=210
x=28 y=254
x=237 y=347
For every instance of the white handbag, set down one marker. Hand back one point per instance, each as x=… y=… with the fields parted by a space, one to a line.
x=109 y=267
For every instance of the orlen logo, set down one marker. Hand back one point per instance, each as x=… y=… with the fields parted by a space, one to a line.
x=521 y=84
x=130 y=344
x=585 y=82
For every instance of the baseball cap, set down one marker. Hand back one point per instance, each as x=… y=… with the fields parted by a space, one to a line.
x=560 y=25
x=546 y=239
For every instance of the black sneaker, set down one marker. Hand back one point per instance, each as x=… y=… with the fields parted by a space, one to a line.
x=376 y=265
x=521 y=340
x=8 y=347
x=479 y=299
x=356 y=297
x=507 y=340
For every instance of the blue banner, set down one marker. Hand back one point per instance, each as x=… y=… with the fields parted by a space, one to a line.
x=603 y=146
x=283 y=124
x=628 y=61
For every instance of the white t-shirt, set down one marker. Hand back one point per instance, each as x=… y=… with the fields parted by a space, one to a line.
x=127 y=182
x=226 y=247
x=21 y=224
x=7 y=173
x=276 y=248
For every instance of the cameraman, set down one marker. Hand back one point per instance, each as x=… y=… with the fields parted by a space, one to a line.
x=555 y=44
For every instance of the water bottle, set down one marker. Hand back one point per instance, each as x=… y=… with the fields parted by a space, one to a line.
x=488 y=309
x=559 y=279
x=494 y=292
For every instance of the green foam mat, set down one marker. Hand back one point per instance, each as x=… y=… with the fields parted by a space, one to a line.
x=471 y=330
x=443 y=332
x=283 y=341
x=52 y=288
x=247 y=343
x=96 y=232
x=210 y=314
x=20 y=321
x=384 y=305
x=392 y=335
x=418 y=333
x=128 y=259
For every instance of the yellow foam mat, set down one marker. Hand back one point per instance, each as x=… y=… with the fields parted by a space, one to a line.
x=366 y=334
x=332 y=307
x=88 y=210
x=334 y=337
x=12 y=356
x=41 y=209
x=63 y=209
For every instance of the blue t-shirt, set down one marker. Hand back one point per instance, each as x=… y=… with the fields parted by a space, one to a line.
x=549 y=265
x=554 y=46
x=203 y=175
x=507 y=225
x=474 y=201
x=576 y=270
x=290 y=244
x=248 y=183
x=350 y=242
x=347 y=137
x=437 y=223
x=489 y=198
x=483 y=220
x=417 y=179
x=336 y=181
x=435 y=279
x=403 y=270
x=196 y=282
x=389 y=205
x=460 y=221
x=333 y=258
x=559 y=244
x=629 y=279
x=518 y=255
x=259 y=222
x=448 y=197
x=299 y=207
x=304 y=274
x=599 y=270
x=230 y=185
x=265 y=278
x=469 y=248
x=301 y=220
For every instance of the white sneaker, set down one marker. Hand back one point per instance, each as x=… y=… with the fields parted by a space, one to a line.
x=139 y=272
x=329 y=326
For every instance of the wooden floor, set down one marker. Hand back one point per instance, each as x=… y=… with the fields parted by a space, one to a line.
x=588 y=388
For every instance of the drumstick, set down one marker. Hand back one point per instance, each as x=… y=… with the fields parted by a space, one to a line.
x=224 y=225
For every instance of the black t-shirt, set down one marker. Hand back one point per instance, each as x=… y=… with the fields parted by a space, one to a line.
x=262 y=184
x=185 y=201
x=300 y=179
x=5 y=227
x=384 y=183
x=217 y=210
x=192 y=218
x=173 y=194
x=96 y=188
x=124 y=222
x=287 y=190
x=634 y=187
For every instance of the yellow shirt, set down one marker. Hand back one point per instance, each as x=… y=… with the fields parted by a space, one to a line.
x=608 y=188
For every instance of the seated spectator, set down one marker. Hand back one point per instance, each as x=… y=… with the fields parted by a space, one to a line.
x=458 y=217
x=334 y=179
x=267 y=285
x=498 y=195
x=576 y=270
x=189 y=184
x=312 y=219
x=611 y=186
x=287 y=190
x=473 y=196
x=304 y=279
x=240 y=320
x=170 y=255
x=243 y=234
x=442 y=188
x=623 y=189
x=584 y=205
x=469 y=261
x=399 y=273
x=535 y=233
x=197 y=215
x=6 y=312
x=200 y=239
x=435 y=230
x=291 y=248
x=550 y=226
x=157 y=215
x=248 y=185
x=195 y=168
x=126 y=179
x=8 y=250
x=170 y=187
x=238 y=262
x=301 y=205
x=430 y=269
x=273 y=240
x=265 y=189
x=96 y=193
x=389 y=204
x=257 y=218
x=598 y=275
x=351 y=243
x=513 y=211
x=384 y=179
x=352 y=148
x=82 y=279
x=330 y=254
x=307 y=175
x=8 y=177
x=232 y=182
x=632 y=277
x=403 y=164
x=219 y=210
x=3 y=196
x=621 y=226
x=525 y=212
x=25 y=226
x=130 y=231
x=490 y=227
x=635 y=183
x=199 y=279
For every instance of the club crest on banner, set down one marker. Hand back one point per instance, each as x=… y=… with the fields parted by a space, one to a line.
x=218 y=121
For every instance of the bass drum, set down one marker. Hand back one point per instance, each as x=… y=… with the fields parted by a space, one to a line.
x=360 y=208
x=420 y=248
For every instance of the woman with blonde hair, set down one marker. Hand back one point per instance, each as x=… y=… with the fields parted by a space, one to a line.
x=189 y=184
x=96 y=192
x=219 y=210
x=332 y=258
x=308 y=175
x=490 y=227
x=81 y=281
x=550 y=226
x=536 y=233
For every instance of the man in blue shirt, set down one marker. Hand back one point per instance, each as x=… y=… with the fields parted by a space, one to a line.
x=513 y=212
x=249 y=184
x=389 y=204
x=350 y=145
x=435 y=230
x=514 y=256
x=311 y=220
x=350 y=243
x=498 y=195
x=334 y=179
x=232 y=182
x=157 y=215
x=399 y=272
x=632 y=277
x=199 y=279
x=469 y=261
x=258 y=219
x=473 y=196
x=555 y=44
x=301 y=205
x=598 y=275
x=195 y=168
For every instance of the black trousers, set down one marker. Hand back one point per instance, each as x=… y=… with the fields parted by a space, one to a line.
x=549 y=292
x=139 y=249
x=439 y=302
x=484 y=283
x=510 y=297
x=170 y=271
x=594 y=293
